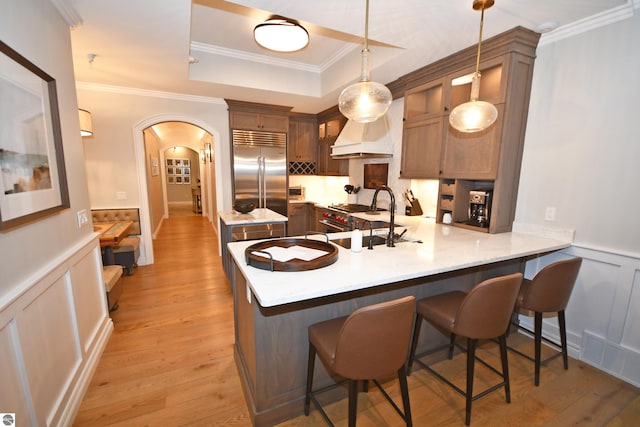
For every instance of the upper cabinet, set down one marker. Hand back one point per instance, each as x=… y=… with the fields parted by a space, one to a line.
x=475 y=155
x=303 y=138
x=432 y=149
x=260 y=117
x=330 y=123
x=423 y=127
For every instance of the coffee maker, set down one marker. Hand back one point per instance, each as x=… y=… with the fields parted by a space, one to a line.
x=480 y=207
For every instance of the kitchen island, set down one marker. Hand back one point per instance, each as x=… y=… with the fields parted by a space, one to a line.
x=260 y=223
x=273 y=309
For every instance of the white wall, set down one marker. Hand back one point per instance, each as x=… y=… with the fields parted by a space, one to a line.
x=582 y=156
x=53 y=315
x=112 y=156
x=582 y=132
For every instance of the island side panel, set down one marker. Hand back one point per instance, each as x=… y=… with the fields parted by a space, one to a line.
x=273 y=345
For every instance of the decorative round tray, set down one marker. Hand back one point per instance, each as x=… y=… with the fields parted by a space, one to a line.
x=257 y=256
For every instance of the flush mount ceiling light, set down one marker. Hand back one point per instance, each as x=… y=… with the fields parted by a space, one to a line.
x=281 y=35
x=86 y=126
x=365 y=101
x=474 y=116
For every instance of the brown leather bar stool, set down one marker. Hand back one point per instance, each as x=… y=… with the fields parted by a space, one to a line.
x=483 y=313
x=548 y=292
x=371 y=343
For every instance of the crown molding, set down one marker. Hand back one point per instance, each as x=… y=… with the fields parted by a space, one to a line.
x=245 y=56
x=68 y=12
x=94 y=87
x=598 y=20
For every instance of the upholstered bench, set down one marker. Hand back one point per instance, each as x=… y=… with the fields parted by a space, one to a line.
x=125 y=253
x=111 y=276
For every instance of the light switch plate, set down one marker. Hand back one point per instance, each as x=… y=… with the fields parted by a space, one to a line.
x=83 y=218
x=550 y=213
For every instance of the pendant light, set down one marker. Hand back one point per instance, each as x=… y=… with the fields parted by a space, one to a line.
x=365 y=101
x=474 y=116
x=281 y=35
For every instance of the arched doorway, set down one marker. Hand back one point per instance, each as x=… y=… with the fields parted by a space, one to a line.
x=209 y=172
x=180 y=148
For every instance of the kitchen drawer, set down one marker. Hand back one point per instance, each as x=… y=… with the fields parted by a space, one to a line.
x=446 y=203
x=448 y=186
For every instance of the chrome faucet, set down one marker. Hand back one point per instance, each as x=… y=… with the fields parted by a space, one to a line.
x=373 y=208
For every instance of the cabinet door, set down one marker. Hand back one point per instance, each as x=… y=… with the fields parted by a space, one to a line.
x=303 y=141
x=328 y=165
x=259 y=121
x=245 y=120
x=298 y=219
x=274 y=122
x=421 y=148
x=473 y=155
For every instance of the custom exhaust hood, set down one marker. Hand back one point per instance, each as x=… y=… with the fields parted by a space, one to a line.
x=361 y=140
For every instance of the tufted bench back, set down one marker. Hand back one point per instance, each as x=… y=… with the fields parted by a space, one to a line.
x=113 y=215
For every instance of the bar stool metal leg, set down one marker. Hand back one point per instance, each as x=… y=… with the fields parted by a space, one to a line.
x=310 y=367
x=471 y=355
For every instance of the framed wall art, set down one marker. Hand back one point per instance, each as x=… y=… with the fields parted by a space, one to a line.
x=33 y=180
x=178 y=171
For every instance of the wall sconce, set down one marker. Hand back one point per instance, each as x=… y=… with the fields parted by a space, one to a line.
x=207 y=151
x=86 y=126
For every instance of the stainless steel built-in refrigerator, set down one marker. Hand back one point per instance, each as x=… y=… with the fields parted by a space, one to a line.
x=260 y=169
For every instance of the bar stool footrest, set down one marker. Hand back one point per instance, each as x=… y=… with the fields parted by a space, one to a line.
x=455 y=387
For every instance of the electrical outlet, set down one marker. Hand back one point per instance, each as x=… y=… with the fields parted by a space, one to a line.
x=550 y=213
x=121 y=195
x=83 y=218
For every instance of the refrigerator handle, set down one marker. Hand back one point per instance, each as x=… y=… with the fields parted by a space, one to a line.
x=260 y=178
x=264 y=182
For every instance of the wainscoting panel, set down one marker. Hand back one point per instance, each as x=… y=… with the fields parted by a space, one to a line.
x=604 y=310
x=90 y=301
x=13 y=389
x=51 y=337
x=49 y=346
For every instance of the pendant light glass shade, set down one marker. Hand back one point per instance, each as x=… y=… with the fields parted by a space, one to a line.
x=86 y=126
x=281 y=35
x=475 y=116
x=365 y=101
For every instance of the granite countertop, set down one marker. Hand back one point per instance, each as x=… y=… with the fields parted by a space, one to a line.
x=444 y=248
x=257 y=216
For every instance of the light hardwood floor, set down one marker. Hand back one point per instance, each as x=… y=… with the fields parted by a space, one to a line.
x=170 y=362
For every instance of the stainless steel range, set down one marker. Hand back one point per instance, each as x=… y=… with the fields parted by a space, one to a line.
x=337 y=218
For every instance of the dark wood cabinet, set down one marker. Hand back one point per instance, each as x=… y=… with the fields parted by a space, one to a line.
x=303 y=138
x=298 y=219
x=330 y=123
x=421 y=148
x=260 y=117
x=489 y=159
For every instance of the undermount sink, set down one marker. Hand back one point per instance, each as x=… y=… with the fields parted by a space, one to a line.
x=345 y=242
x=364 y=224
